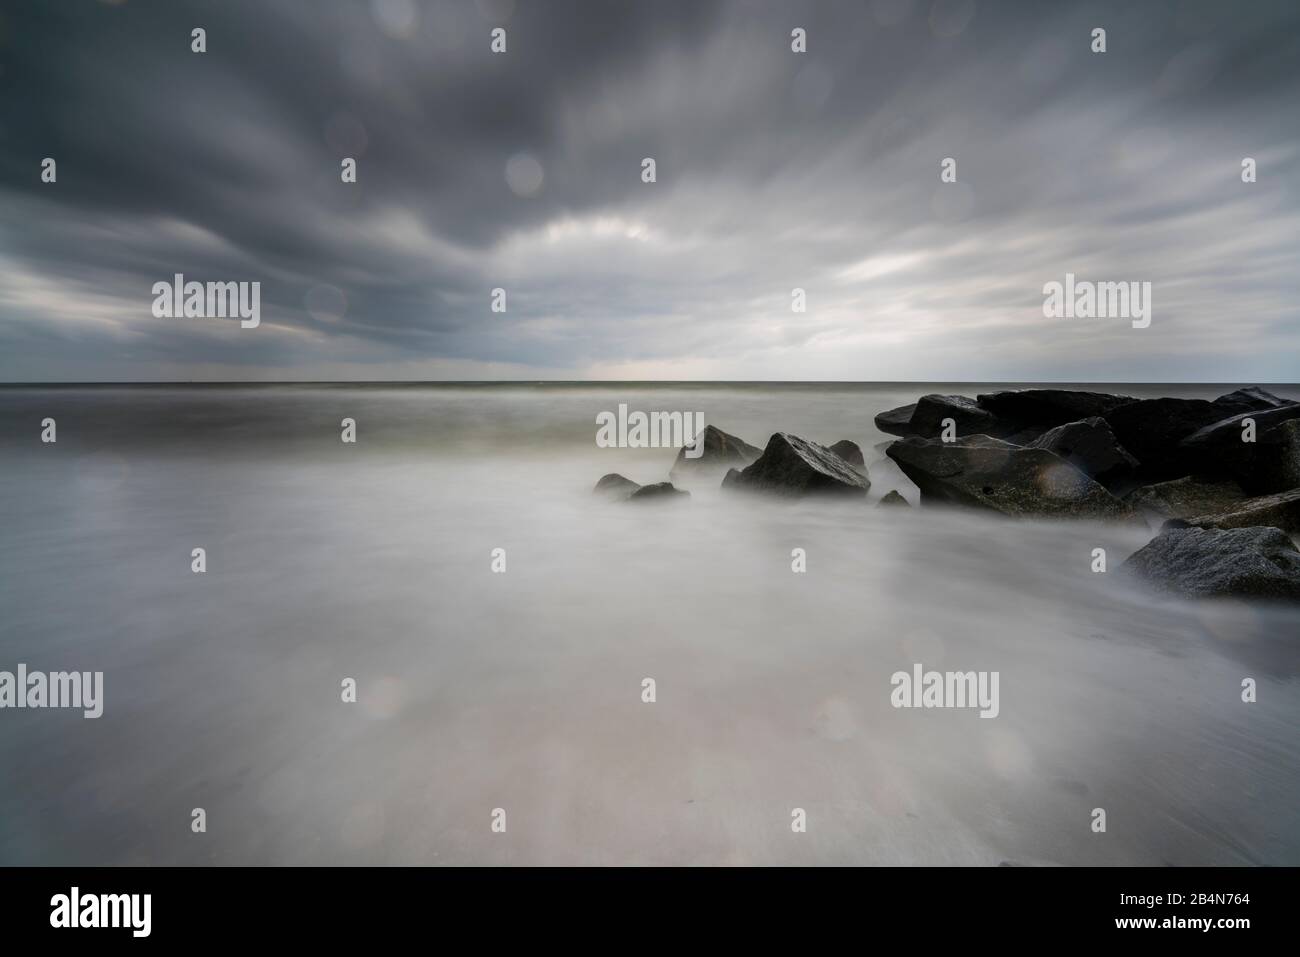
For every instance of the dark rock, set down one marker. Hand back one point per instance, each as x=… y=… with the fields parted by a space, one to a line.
x=896 y=421
x=1255 y=562
x=615 y=486
x=1280 y=511
x=720 y=451
x=730 y=480
x=893 y=498
x=1187 y=496
x=1269 y=464
x=988 y=473
x=1090 y=446
x=969 y=418
x=849 y=452
x=1151 y=429
x=1250 y=399
x=793 y=466
x=1049 y=407
x=659 y=491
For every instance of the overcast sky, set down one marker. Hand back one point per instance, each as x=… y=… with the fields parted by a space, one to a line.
x=775 y=170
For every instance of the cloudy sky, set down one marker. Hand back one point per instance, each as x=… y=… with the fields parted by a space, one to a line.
x=775 y=170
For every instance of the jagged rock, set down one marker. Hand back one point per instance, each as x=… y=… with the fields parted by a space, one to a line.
x=1187 y=496
x=793 y=466
x=893 y=498
x=1255 y=562
x=849 y=452
x=720 y=450
x=659 y=491
x=896 y=421
x=1049 y=407
x=1280 y=511
x=731 y=478
x=1250 y=399
x=988 y=473
x=1090 y=446
x=970 y=419
x=615 y=486
x=1269 y=464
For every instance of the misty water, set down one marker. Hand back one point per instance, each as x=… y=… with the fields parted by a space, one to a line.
x=522 y=690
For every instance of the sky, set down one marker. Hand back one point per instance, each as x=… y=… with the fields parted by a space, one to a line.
x=775 y=170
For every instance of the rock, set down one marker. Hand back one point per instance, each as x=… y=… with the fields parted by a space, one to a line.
x=720 y=451
x=793 y=466
x=1269 y=464
x=988 y=473
x=659 y=491
x=1280 y=511
x=1250 y=399
x=731 y=479
x=849 y=452
x=1049 y=407
x=1187 y=496
x=1255 y=562
x=896 y=421
x=615 y=486
x=893 y=498
x=970 y=419
x=1090 y=446
x=1151 y=430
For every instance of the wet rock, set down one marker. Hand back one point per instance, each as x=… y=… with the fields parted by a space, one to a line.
x=1279 y=511
x=1049 y=407
x=985 y=472
x=720 y=451
x=896 y=421
x=615 y=486
x=1250 y=399
x=1090 y=446
x=1269 y=464
x=849 y=452
x=1151 y=430
x=893 y=498
x=969 y=418
x=792 y=466
x=658 y=492
x=1187 y=496
x=1255 y=562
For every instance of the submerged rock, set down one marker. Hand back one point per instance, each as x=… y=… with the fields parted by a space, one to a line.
x=1090 y=446
x=793 y=466
x=893 y=498
x=849 y=452
x=720 y=450
x=1280 y=511
x=988 y=473
x=615 y=486
x=1255 y=562
x=659 y=491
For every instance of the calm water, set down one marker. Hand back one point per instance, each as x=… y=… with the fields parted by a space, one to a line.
x=522 y=690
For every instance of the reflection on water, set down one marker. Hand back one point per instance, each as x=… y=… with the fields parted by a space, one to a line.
x=523 y=690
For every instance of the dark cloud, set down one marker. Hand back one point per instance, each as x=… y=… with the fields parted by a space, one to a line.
x=776 y=170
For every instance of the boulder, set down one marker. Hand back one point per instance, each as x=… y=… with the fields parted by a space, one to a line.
x=720 y=451
x=1151 y=430
x=1269 y=464
x=1254 y=562
x=1090 y=446
x=615 y=486
x=896 y=421
x=792 y=466
x=1280 y=511
x=893 y=498
x=988 y=473
x=1186 y=496
x=658 y=492
x=731 y=479
x=970 y=419
x=1250 y=399
x=1049 y=407
x=849 y=452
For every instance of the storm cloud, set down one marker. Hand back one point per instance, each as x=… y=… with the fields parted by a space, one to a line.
x=775 y=170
